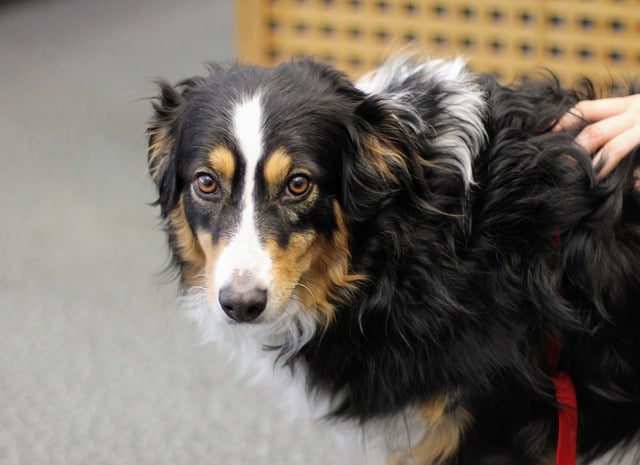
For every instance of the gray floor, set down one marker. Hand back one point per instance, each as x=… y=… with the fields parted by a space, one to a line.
x=97 y=364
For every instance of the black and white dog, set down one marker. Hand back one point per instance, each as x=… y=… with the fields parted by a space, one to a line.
x=418 y=247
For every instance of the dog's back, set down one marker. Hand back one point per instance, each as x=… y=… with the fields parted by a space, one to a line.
x=548 y=245
x=549 y=190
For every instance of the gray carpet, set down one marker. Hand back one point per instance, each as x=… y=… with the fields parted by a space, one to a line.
x=97 y=363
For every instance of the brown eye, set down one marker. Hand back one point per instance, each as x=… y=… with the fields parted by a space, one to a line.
x=205 y=183
x=298 y=185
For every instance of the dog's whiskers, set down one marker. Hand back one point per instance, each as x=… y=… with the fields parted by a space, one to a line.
x=306 y=288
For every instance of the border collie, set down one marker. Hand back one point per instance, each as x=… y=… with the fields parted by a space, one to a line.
x=419 y=247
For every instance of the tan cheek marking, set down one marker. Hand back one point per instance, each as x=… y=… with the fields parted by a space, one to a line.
x=277 y=168
x=289 y=263
x=187 y=247
x=197 y=251
x=222 y=161
x=331 y=271
x=314 y=267
x=443 y=431
x=212 y=253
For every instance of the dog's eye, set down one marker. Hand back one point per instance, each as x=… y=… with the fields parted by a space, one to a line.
x=205 y=183
x=298 y=185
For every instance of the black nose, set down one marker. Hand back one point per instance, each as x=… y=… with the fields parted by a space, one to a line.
x=243 y=301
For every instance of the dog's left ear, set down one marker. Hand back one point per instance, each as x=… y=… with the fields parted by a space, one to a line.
x=384 y=157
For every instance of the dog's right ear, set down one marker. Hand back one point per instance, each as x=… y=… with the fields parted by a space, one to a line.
x=162 y=131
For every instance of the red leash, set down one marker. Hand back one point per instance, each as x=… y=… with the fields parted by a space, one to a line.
x=567 y=419
x=565 y=397
x=567 y=406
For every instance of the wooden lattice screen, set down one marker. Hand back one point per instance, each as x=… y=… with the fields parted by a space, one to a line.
x=511 y=38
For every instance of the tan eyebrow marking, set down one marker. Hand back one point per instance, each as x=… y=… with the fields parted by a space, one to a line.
x=222 y=161
x=277 y=167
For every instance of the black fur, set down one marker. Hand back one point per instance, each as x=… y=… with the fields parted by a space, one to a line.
x=466 y=285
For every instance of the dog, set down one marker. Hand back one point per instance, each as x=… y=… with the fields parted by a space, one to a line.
x=418 y=248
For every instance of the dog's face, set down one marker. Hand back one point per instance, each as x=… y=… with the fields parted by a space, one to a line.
x=253 y=168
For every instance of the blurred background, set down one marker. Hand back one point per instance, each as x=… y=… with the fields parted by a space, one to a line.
x=508 y=38
x=97 y=363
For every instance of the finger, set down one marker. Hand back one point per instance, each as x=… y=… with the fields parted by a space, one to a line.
x=596 y=135
x=615 y=150
x=594 y=110
x=570 y=119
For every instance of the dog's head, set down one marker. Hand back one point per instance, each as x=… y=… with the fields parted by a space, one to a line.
x=261 y=173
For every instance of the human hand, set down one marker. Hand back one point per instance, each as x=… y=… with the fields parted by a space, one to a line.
x=613 y=132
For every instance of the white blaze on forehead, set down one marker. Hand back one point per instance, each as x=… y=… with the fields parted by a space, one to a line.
x=245 y=254
x=247 y=129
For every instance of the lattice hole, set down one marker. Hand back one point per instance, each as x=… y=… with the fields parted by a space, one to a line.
x=411 y=8
x=440 y=10
x=617 y=26
x=498 y=16
x=527 y=18
x=557 y=21
x=468 y=13
x=526 y=48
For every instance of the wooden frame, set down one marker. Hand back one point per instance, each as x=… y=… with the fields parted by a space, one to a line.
x=599 y=39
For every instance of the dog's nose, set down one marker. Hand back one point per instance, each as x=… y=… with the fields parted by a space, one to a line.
x=243 y=301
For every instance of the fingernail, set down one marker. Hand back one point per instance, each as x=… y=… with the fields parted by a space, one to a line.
x=598 y=163
x=597 y=158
